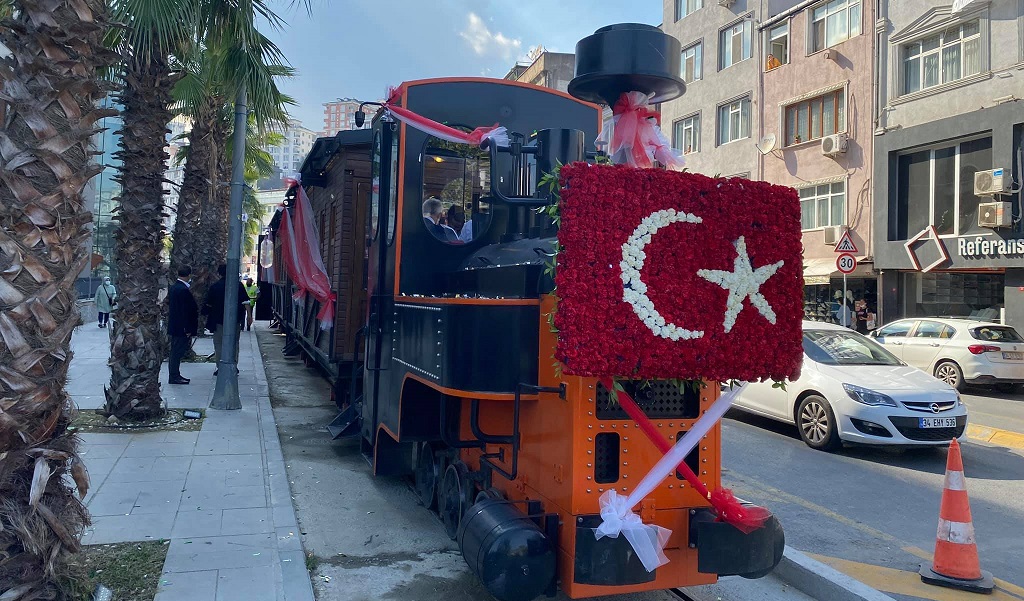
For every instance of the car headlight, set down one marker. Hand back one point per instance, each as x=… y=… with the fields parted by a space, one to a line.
x=868 y=397
x=959 y=399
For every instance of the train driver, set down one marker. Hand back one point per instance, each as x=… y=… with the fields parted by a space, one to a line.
x=433 y=212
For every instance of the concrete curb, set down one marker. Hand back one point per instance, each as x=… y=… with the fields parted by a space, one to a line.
x=821 y=581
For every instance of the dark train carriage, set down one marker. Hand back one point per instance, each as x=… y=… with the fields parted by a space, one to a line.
x=336 y=177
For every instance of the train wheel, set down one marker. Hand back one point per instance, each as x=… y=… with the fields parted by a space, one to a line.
x=427 y=476
x=453 y=498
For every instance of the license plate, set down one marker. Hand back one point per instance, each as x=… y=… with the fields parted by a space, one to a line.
x=937 y=422
x=1013 y=356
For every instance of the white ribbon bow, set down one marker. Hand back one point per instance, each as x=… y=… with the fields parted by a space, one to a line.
x=647 y=540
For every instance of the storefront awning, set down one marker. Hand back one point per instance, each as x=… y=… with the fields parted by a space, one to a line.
x=821 y=271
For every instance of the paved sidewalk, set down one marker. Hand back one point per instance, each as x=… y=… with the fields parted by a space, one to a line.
x=221 y=495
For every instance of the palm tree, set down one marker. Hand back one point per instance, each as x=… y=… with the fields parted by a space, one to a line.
x=49 y=93
x=152 y=32
x=203 y=96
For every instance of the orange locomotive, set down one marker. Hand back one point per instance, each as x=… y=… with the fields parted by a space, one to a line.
x=459 y=389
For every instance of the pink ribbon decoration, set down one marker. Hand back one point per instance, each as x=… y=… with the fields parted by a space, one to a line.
x=301 y=254
x=634 y=136
x=476 y=137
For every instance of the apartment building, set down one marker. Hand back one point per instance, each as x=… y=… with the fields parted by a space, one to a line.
x=546 y=69
x=715 y=122
x=815 y=135
x=288 y=156
x=340 y=115
x=948 y=235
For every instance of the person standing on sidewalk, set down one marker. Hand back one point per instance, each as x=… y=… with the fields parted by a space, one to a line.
x=182 y=323
x=213 y=309
x=106 y=298
x=252 y=292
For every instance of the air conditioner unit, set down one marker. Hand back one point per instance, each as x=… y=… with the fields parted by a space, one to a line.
x=726 y=3
x=991 y=182
x=833 y=145
x=995 y=214
x=832 y=234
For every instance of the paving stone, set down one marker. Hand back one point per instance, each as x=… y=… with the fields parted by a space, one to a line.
x=235 y=497
x=159 y=449
x=197 y=524
x=294 y=577
x=188 y=586
x=124 y=528
x=113 y=501
x=246 y=521
x=221 y=552
x=246 y=584
x=160 y=498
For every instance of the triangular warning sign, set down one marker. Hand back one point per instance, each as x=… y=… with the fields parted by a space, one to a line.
x=846 y=244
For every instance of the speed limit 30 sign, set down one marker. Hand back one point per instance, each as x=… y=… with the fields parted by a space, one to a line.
x=846 y=263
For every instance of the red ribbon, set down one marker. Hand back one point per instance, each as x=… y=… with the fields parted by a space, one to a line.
x=632 y=128
x=730 y=510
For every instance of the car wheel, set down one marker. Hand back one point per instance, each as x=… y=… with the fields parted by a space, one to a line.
x=950 y=373
x=817 y=424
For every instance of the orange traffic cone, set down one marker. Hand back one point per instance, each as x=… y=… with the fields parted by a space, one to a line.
x=956 y=562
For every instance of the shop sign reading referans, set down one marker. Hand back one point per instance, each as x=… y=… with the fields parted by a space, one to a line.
x=983 y=247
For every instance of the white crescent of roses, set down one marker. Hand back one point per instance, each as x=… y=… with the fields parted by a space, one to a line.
x=742 y=282
x=634 y=291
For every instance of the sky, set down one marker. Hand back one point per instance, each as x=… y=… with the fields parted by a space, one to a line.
x=355 y=49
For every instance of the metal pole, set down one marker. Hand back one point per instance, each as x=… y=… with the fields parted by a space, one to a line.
x=845 y=310
x=225 y=395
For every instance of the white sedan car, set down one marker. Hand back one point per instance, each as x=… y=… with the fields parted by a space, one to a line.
x=852 y=390
x=959 y=351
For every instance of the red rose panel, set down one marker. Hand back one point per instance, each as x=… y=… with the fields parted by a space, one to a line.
x=677 y=275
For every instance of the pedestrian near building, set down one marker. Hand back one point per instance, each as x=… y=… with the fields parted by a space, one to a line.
x=252 y=292
x=106 y=301
x=182 y=323
x=213 y=309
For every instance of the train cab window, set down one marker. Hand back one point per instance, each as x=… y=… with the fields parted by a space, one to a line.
x=393 y=193
x=373 y=226
x=456 y=186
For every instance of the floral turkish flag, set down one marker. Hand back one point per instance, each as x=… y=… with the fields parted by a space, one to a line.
x=677 y=275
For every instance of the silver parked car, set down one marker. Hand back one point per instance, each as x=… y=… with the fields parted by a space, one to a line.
x=853 y=390
x=959 y=351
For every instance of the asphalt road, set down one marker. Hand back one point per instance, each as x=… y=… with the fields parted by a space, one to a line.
x=879 y=507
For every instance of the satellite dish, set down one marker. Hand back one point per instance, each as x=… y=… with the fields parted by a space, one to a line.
x=767 y=144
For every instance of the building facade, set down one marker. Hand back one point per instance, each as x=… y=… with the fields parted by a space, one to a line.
x=715 y=122
x=340 y=115
x=815 y=134
x=546 y=69
x=948 y=235
x=288 y=156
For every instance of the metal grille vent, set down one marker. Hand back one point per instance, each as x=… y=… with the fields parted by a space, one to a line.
x=659 y=399
x=606 y=458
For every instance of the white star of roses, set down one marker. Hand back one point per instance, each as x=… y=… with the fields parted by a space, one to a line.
x=743 y=282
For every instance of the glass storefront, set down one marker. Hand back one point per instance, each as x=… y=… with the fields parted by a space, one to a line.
x=822 y=301
x=951 y=294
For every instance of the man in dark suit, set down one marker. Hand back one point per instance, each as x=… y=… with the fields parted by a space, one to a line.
x=182 y=322
x=213 y=309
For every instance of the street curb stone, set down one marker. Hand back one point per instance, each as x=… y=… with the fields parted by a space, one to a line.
x=821 y=581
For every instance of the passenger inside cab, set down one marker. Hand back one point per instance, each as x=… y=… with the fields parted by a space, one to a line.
x=433 y=219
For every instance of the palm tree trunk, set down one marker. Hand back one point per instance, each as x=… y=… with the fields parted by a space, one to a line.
x=136 y=348
x=195 y=190
x=49 y=93
x=213 y=226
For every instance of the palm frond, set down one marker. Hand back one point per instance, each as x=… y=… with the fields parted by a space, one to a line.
x=152 y=29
